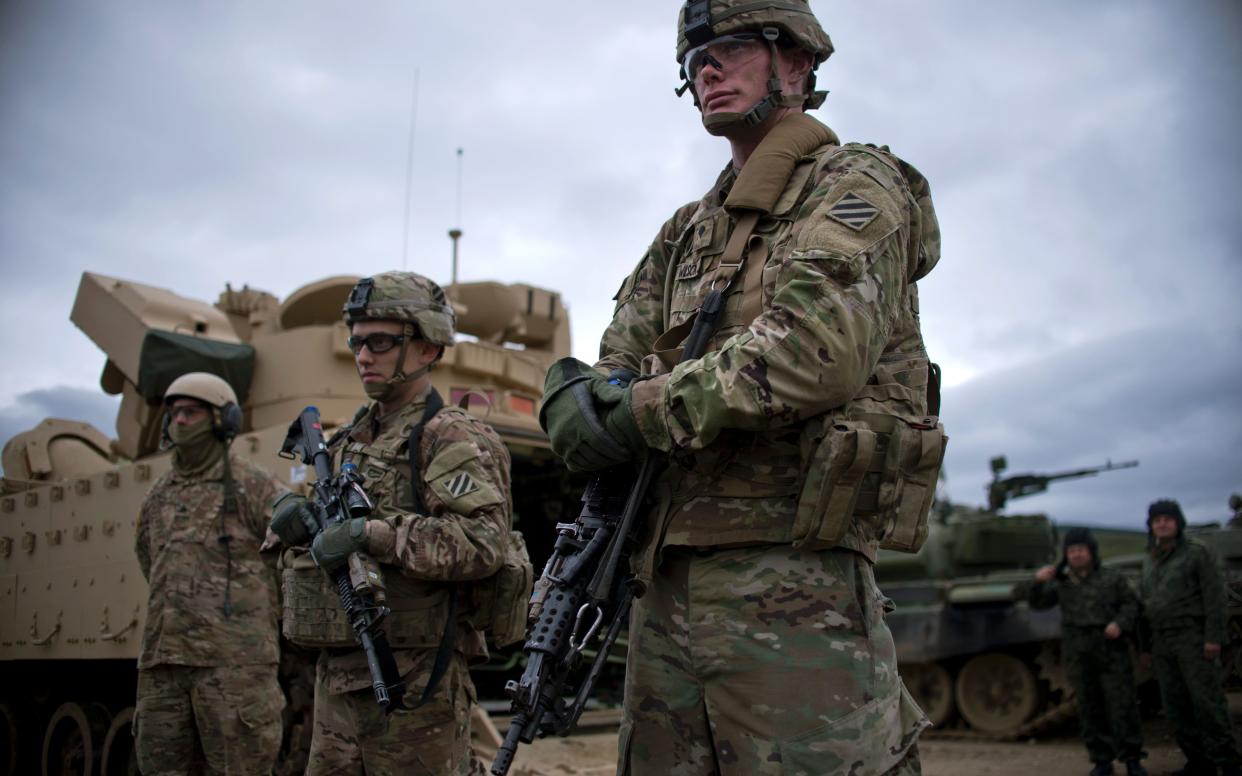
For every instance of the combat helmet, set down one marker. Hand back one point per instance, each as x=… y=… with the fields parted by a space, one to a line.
x=780 y=22
x=215 y=392
x=416 y=301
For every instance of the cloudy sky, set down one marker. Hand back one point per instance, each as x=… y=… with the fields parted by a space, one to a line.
x=1083 y=157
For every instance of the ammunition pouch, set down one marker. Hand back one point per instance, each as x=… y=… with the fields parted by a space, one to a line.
x=312 y=614
x=499 y=603
x=881 y=469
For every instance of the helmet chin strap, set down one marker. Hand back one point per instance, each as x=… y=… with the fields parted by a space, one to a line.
x=384 y=390
x=723 y=122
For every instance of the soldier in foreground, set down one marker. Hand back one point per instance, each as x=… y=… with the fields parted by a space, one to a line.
x=760 y=644
x=207 y=685
x=1097 y=609
x=444 y=520
x=1183 y=599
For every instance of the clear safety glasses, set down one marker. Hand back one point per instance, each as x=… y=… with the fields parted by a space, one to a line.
x=724 y=53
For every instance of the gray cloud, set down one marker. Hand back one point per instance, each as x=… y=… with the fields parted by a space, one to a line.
x=31 y=408
x=1083 y=158
x=1166 y=396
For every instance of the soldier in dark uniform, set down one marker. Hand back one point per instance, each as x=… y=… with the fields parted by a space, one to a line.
x=1183 y=599
x=1097 y=609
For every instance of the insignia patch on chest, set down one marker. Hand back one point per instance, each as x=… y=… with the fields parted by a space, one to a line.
x=461 y=484
x=853 y=211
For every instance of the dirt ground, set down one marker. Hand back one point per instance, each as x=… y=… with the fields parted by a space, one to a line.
x=594 y=754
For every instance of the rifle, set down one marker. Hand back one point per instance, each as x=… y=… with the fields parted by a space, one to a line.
x=580 y=588
x=337 y=498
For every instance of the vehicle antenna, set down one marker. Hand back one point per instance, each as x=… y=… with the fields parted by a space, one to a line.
x=455 y=233
x=409 y=173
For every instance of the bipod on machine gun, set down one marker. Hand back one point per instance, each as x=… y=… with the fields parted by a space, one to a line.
x=586 y=585
x=337 y=498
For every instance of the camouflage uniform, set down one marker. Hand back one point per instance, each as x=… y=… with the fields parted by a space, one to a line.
x=464 y=483
x=1099 y=668
x=748 y=655
x=204 y=674
x=1183 y=599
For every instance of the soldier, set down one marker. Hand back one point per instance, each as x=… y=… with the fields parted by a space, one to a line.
x=1235 y=506
x=445 y=521
x=207 y=672
x=760 y=644
x=1097 y=609
x=1183 y=599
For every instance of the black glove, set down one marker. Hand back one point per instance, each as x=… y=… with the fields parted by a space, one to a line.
x=587 y=419
x=293 y=521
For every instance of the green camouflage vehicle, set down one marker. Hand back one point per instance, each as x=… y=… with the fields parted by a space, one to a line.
x=969 y=648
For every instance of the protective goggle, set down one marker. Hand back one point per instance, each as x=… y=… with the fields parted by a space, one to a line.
x=724 y=53
x=378 y=342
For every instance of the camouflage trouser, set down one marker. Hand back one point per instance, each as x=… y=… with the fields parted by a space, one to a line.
x=1193 y=697
x=1102 y=676
x=353 y=735
x=228 y=715
x=764 y=660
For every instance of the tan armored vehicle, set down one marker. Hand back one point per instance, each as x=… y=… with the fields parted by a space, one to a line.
x=72 y=597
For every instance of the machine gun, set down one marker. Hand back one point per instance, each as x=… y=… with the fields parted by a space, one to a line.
x=580 y=591
x=1019 y=485
x=337 y=498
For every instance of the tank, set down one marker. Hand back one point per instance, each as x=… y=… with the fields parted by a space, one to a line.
x=968 y=646
x=72 y=598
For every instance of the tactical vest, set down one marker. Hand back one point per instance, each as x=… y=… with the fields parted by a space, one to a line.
x=862 y=476
x=419 y=608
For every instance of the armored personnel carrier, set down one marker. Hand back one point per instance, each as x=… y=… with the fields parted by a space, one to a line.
x=968 y=645
x=72 y=597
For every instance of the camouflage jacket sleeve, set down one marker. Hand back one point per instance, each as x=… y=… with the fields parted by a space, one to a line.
x=1042 y=595
x=261 y=491
x=838 y=290
x=465 y=486
x=142 y=537
x=1127 y=614
x=1212 y=587
x=638 y=318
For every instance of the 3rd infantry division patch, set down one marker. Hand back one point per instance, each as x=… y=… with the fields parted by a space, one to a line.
x=853 y=211
x=461 y=485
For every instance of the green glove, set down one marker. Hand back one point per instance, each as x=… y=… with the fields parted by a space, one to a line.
x=334 y=544
x=293 y=521
x=578 y=403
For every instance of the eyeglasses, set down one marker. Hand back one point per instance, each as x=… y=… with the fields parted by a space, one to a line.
x=379 y=342
x=724 y=53
x=191 y=412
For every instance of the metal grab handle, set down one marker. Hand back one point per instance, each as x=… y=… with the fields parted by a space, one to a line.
x=43 y=642
x=119 y=636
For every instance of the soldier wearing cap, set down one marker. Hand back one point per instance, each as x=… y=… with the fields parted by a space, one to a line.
x=435 y=525
x=1183 y=627
x=207 y=686
x=1098 y=608
x=799 y=443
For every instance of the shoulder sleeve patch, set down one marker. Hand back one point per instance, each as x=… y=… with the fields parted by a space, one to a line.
x=853 y=211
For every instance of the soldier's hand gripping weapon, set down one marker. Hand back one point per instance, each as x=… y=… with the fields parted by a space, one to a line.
x=338 y=498
x=586 y=588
